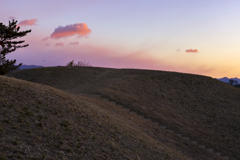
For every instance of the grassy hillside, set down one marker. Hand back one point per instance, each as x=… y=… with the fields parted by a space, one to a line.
x=202 y=111
x=41 y=122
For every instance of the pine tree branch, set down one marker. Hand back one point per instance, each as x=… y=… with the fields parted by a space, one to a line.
x=7 y=34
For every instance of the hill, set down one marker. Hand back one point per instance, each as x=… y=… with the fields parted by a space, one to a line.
x=41 y=122
x=195 y=116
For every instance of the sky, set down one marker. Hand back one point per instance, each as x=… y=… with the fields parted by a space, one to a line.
x=188 y=36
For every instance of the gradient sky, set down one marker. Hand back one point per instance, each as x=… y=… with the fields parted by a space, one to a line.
x=190 y=36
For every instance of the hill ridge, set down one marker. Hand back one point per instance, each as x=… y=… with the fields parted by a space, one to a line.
x=191 y=105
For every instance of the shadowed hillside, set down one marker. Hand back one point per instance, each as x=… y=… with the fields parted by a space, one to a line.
x=202 y=111
x=41 y=122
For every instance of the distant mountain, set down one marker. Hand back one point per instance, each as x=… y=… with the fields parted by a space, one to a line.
x=29 y=66
x=226 y=79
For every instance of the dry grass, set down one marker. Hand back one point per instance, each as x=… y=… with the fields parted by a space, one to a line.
x=199 y=107
x=41 y=122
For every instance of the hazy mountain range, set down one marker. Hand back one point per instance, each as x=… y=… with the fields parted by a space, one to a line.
x=226 y=79
x=29 y=66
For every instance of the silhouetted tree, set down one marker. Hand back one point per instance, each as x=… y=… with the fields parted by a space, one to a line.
x=71 y=63
x=231 y=81
x=7 y=34
x=80 y=64
x=83 y=64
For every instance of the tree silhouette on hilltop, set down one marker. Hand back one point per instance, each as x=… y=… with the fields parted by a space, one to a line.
x=8 y=45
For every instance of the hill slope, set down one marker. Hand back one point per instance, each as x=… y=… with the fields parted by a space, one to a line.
x=41 y=122
x=198 y=108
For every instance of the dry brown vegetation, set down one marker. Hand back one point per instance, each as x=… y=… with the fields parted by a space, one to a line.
x=59 y=116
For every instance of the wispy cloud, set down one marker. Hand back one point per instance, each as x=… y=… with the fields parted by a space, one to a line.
x=26 y=22
x=80 y=29
x=11 y=18
x=47 y=44
x=74 y=43
x=45 y=39
x=60 y=44
x=192 y=50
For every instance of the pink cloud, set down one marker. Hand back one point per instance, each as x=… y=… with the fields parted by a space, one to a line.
x=45 y=39
x=11 y=17
x=80 y=29
x=60 y=44
x=26 y=22
x=47 y=44
x=192 y=50
x=74 y=43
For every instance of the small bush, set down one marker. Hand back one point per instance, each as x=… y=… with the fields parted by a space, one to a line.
x=80 y=64
x=83 y=64
x=71 y=63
